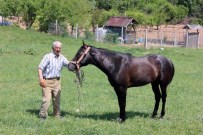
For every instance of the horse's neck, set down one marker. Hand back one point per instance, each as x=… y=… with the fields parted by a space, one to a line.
x=104 y=60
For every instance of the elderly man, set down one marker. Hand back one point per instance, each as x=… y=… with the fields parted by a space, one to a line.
x=49 y=72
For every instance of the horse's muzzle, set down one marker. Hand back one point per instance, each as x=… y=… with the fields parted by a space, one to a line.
x=71 y=67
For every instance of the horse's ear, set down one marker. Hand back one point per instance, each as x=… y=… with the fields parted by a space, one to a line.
x=83 y=43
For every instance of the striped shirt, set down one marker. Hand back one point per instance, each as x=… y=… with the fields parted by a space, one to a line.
x=52 y=65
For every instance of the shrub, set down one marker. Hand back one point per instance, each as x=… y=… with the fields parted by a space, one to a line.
x=30 y=51
x=2 y=50
x=111 y=37
x=89 y=35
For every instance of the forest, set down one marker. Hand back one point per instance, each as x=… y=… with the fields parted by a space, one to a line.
x=38 y=14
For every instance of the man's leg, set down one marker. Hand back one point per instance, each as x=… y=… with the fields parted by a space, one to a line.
x=56 y=95
x=46 y=97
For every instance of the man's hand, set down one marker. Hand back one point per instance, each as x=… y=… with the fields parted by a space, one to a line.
x=42 y=83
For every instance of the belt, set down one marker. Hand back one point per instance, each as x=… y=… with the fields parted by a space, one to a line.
x=52 y=78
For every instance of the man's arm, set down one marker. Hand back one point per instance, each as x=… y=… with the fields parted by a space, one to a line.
x=65 y=62
x=41 y=79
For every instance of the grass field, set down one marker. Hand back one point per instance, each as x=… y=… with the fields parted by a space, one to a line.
x=20 y=94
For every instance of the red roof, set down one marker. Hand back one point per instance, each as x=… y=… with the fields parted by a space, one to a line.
x=120 y=21
x=192 y=27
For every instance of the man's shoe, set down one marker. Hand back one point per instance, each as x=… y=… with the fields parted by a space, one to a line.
x=42 y=118
x=59 y=117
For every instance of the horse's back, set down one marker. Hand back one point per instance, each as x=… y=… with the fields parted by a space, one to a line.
x=151 y=68
x=166 y=69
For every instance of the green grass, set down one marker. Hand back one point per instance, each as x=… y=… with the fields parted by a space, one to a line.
x=20 y=94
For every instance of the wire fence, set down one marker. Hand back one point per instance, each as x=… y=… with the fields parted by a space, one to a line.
x=145 y=37
x=161 y=37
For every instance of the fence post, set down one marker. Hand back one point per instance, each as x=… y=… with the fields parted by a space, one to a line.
x=161 y=37
x=2 y=19
x=76 y=33
x=198 y=38
x=186 y=45
x=56 y=28
x=145 y=43
x=174 y=39
x=122 y=39
x=97 y=34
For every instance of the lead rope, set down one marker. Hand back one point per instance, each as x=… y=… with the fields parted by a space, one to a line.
x=79 y=80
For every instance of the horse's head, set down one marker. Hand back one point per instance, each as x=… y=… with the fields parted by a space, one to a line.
x=81 y=58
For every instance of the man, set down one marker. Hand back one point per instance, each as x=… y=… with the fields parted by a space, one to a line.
x=49 y=72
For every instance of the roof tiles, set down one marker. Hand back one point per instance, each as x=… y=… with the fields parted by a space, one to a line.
x=120 y=21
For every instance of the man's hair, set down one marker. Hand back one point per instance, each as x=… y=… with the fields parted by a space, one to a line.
x=56 y=43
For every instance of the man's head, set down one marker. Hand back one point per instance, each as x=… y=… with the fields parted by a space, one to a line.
x=56 y=47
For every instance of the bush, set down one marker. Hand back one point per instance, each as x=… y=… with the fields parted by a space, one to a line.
x=111 y=37
x=30 y=51
x=89 y=35
x=197 y=21
x=3 y=50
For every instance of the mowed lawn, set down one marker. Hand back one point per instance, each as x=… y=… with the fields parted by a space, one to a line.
x=20 y=94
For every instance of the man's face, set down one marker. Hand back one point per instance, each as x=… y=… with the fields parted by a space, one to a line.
x=57 y=49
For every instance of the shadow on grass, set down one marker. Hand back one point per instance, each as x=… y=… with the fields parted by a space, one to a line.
x=36 y=112
x=33 y=111
x=105 y=116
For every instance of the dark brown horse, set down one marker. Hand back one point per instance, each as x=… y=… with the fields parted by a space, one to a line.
x=124 y=71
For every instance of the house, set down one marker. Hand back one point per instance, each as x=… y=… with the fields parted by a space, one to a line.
x=121 y=25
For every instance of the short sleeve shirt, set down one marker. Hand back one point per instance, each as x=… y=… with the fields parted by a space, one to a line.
x=52 y=65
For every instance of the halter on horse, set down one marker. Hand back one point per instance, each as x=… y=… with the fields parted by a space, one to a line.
x=124 y=71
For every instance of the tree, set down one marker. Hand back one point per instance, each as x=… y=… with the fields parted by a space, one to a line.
x=198 y=9
x=99 y=17
x=90 y=13
x=138 y=16
x=105 y=15
x=28 y=9
x=96 y=15
x=77 y=12
x=24 y=8
x=174 y=2
x=159 y=17
x=190 y=4
x=9 y=8
x=104 y=4
x=180 y=13
x=49 y=12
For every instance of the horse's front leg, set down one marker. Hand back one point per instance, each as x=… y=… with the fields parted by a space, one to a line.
x=121 y=94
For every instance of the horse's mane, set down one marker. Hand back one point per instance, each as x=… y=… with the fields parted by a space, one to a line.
x=110 y=52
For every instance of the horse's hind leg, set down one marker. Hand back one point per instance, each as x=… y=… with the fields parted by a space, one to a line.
x=157 y=94
x=164 y=95
x=121 y=94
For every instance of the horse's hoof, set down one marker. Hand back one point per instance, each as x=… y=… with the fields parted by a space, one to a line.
x=161 y=117
x=153 y=116
x=120 y=120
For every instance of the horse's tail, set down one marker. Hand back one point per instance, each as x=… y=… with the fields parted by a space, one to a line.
x=173 y=70
x=168 y=68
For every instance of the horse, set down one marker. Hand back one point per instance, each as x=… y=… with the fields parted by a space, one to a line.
x=125 y=70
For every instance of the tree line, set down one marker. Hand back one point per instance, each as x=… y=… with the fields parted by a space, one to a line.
x=92 y=13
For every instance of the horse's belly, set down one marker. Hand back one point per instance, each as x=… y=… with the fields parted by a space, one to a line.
x=143 y=77
x=139 y=83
